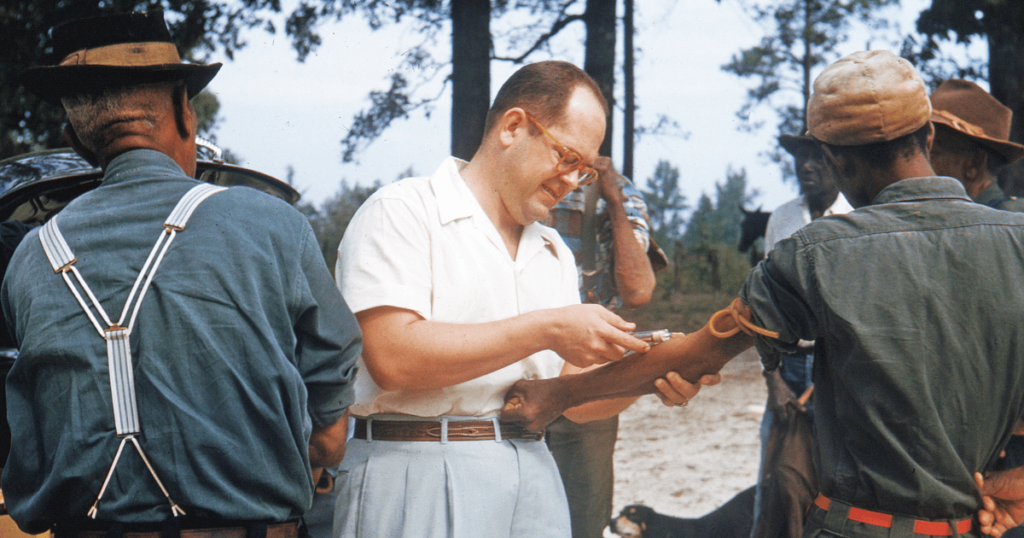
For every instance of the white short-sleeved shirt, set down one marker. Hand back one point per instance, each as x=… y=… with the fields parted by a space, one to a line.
x=426 y=245
x=793 y=215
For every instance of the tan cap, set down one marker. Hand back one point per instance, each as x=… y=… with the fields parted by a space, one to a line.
x=867 y=97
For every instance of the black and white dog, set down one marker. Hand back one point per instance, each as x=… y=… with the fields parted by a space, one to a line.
x=731 y=520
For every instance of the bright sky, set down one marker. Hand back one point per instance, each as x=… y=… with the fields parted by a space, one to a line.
x=278 y=112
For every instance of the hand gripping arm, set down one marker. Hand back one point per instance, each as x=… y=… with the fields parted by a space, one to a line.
x=727 y=334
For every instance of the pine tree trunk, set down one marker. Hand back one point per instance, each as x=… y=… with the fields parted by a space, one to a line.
x=629 y=115
x=471 y=74
x=599 y=62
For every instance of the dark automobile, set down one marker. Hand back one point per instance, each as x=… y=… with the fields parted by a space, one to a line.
x=35 y=186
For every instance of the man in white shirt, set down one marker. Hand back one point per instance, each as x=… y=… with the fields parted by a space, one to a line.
x=460 y=293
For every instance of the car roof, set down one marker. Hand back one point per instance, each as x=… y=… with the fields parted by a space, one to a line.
x=35 y=186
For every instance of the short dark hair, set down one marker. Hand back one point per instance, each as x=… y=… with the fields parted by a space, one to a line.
x=543 y=89
x=881 y=155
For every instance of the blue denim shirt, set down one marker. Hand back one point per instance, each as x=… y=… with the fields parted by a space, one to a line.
x=242 y=345
x=916 y=305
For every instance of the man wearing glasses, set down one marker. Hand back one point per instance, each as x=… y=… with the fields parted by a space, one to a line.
x=460 y=293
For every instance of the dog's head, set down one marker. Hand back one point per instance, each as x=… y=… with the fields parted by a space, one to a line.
x=632 y=521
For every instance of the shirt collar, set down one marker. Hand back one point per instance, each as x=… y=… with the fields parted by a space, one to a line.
x=991 y=196
x=454 y=199
x=839 y=207
x=125 y=166
x=921 y=188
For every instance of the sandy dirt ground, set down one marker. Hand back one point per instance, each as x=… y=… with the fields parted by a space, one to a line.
x=688 y=461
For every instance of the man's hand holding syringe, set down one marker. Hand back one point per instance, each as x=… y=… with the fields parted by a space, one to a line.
x=696 y=358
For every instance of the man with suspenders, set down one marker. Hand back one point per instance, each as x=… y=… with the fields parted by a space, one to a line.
x=185 y=359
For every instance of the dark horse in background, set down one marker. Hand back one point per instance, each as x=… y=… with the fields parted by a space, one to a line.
x=751 y=229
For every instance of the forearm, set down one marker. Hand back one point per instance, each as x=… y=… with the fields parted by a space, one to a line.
x=327 y=445
x=691 y=357
x=402 y=351
x=634 y=277
x=535 y=403
x=599 y=409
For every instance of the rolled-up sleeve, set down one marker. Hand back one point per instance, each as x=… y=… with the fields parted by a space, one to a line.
x=328 y=340
x=779 y=293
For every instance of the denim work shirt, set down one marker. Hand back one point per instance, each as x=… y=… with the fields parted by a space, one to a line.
x=241 y=346
x=916 y=304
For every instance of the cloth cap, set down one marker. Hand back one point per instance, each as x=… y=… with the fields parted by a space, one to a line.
x=113 y=50
x=867 y=97
x=971 y=111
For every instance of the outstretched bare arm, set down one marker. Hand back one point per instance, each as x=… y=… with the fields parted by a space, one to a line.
x=538 y=402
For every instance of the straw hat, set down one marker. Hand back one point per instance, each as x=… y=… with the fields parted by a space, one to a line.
x=971 y=111
x=112 y=50
x=867 y=97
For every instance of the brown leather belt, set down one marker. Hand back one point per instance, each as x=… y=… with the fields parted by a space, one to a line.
x=415 y=430
x=879 y=519
x=275 y=530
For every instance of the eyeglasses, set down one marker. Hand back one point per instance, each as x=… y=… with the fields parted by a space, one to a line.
x=568 y=160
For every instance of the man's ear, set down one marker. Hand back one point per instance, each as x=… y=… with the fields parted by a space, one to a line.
x=975 y=166
x=71 y=137
x=184 y=115
x=511 y=121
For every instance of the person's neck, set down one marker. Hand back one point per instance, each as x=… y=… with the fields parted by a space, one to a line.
x=818 y=205
x=975 y=188
x=480 y=175
x=903 y=168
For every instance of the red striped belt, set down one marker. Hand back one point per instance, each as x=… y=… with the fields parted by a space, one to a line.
x=878 y=519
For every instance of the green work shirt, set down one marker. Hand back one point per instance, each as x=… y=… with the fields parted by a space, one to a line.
x=994 y=197
x=915 y=303
x=241 y=346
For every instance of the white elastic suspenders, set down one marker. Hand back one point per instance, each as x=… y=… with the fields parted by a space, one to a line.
x=119 y=359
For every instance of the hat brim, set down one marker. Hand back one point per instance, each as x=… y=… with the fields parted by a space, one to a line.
x=793 y=143
x=1009 y=150
x=52 y=83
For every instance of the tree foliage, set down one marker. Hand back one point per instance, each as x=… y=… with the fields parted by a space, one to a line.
x=665 y=203
x=405 y=94
x=718 y=223
x=198 y=27
x=803 y=36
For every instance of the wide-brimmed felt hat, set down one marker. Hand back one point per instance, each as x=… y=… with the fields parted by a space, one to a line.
x=113 y=50
x=867 y=97
x=971 y=111
x=793 y=143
